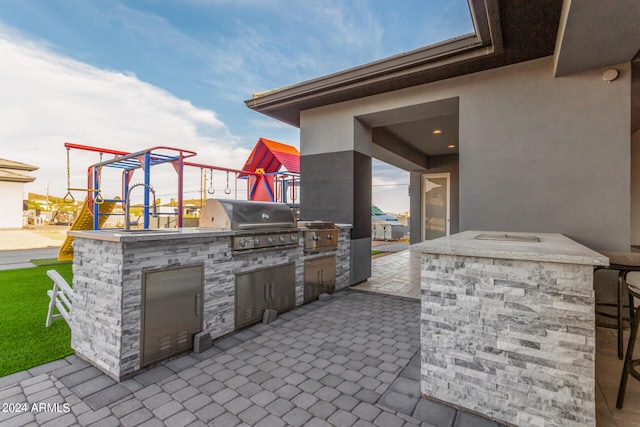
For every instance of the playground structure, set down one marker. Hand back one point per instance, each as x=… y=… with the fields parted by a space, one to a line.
x=265 y=182
x=268 y=183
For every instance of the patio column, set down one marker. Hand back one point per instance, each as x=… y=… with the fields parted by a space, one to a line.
x=335 y=168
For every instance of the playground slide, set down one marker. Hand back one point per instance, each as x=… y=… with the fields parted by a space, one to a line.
x=83 y=221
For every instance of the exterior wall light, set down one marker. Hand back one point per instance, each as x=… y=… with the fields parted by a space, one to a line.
x=610 y=75
x=437 y=131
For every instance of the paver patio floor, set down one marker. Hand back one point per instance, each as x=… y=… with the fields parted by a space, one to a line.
x=349 y=360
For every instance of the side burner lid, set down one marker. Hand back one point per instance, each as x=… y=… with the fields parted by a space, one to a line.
x=317 y=224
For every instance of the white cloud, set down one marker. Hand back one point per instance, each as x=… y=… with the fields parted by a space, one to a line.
x=49 y=99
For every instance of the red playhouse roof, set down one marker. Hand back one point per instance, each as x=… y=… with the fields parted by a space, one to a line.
x=271 y=155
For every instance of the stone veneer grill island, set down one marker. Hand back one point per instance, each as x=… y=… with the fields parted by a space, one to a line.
x=108 y=267
x=508 y=326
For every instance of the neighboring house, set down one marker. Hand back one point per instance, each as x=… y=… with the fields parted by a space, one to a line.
x=531 y=123
x=13 y=176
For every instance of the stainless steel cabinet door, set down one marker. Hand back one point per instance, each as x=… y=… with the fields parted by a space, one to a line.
x=172 y=305
x=273 y=288
x=281 y=283
x=251 y=298
x=319 y=277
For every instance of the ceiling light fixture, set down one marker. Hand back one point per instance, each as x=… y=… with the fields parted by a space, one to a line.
x=437 y=131
x=451 y=146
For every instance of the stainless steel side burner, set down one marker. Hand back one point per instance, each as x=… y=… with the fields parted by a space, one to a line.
x=319 y=235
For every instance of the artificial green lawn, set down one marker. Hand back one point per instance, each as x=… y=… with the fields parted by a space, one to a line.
x=24 y=340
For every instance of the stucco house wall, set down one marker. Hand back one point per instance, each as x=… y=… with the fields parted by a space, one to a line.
x=11 y=206
x=537 y=153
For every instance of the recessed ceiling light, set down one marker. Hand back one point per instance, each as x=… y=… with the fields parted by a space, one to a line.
x=437 y=131
x=451 y=146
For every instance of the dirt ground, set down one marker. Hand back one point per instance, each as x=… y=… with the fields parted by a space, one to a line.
x=33 y=237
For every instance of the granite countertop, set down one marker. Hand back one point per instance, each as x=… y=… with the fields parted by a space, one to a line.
x=550 y=247
x=136 y=235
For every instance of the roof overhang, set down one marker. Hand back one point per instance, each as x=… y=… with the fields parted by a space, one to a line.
x=13 y=165
x=506 y=32
x=12 y=176
x=593 y=34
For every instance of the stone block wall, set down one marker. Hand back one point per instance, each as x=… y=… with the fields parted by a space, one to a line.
x=343 y=263
x=514 y=340
x=96 y=327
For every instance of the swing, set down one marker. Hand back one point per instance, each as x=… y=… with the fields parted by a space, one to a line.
x=227 y=190
x=68 y=198
x=211 y=190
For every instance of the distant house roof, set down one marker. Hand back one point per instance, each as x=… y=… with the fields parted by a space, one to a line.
x=271 y=156
x=10 y=164
x=8 y=172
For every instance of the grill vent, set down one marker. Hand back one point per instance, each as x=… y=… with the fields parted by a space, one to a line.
x=164 y=343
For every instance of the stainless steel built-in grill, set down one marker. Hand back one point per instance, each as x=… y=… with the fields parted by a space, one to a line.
x=258 y=225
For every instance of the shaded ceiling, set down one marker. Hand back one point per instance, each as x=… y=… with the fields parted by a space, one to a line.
x=404 y=137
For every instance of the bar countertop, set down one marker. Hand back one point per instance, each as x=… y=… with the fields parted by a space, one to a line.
x=545 y=247
x=137 y=235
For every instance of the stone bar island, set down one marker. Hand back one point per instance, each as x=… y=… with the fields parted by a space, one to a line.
x=508 y=326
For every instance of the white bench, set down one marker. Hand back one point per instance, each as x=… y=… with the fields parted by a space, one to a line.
x=61 y=297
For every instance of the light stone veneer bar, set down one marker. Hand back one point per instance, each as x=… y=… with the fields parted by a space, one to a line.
x=508 y=328
x=108 y=267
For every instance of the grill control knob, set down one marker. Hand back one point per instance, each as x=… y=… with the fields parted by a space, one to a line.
x=257 y=241
x=329 y=237
x=316 y=237
x=243 y=242
x=282 y=239
x=271 y=240
x=294 y=238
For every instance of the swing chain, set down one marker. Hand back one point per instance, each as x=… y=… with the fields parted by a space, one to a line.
x=211 y=190
x=98 y=197
x=68 y=198
x=202 y=178
x=227 y=190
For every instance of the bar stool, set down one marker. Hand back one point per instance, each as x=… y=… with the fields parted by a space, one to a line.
x=630 y=364
x=624 y=263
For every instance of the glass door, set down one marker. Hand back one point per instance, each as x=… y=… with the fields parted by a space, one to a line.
x=435 y=206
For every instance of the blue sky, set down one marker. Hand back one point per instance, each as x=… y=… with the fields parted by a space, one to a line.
x=107 y=71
